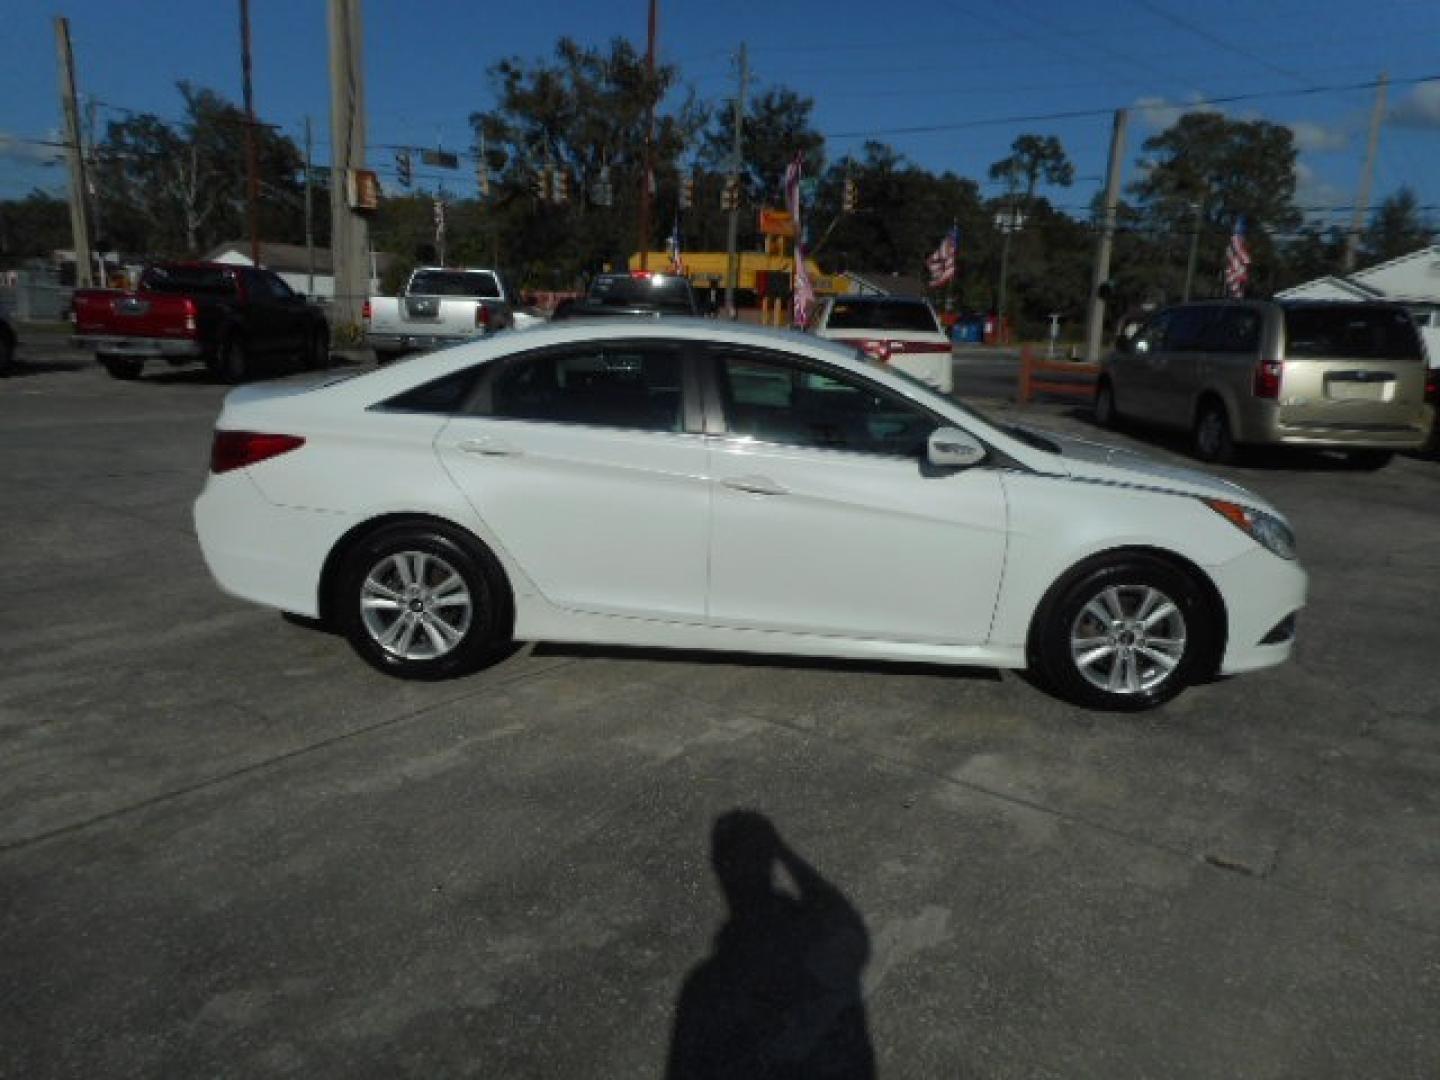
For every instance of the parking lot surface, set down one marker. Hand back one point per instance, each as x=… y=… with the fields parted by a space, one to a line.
x=229 y=848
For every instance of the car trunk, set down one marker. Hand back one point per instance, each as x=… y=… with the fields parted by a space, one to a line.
x=1359 y=368
x=143 y=314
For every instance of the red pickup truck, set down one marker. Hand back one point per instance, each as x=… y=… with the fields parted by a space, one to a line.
x=234 y=319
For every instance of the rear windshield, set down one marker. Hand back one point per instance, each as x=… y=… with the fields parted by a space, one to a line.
x=192 y=280
x=879 y=315
x=1350 y=333
x=657 y=291
x=454 y=283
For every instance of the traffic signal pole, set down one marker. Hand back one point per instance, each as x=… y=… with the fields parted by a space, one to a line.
x=252 y=171
x=732 y=236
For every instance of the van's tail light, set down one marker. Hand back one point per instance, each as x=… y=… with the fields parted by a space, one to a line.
x=237 y=449
x=482 y=315
x=1432 y=386
x=365 y=311
x=1267 y=378
x=190 y=315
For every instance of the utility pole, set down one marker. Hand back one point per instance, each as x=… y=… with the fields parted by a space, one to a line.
x=1008 y=226
x=252 y=172
x=1095 y=317
x=79 y=219
x=732 y=236
x=94 y=192
x=1194 y=245
x=309 y=216
x=1362 y=201
x=349 y=233
x=649 y=171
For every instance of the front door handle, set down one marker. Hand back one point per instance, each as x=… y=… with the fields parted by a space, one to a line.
x=755 y=485
x=489 y=447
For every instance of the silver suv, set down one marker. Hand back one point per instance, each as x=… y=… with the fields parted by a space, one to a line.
x=1339 y=375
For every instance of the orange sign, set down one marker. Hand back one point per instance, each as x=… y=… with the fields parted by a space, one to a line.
x=362 y=187
x=776 y=223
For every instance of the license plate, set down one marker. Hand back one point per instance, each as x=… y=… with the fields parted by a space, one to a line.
x=1357 y=391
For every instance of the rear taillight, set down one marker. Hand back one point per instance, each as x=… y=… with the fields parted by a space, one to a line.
x=365 y=311
x=1432 y=386
x=1267 y=378
x=482 y=315
x=237 y=449
x=190 y=314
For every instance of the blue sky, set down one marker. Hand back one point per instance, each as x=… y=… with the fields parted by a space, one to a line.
x=870 y=67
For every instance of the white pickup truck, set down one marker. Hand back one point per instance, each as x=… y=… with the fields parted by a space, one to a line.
x=438 y=307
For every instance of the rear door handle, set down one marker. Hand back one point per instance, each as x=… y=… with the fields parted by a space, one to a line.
x=489 y=447
x=755 y=485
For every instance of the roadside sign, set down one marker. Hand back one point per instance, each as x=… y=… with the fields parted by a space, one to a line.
x=776 y=222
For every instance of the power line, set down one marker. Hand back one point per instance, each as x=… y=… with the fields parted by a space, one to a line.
x=1219 y=42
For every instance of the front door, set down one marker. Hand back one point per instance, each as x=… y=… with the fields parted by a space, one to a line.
x=828 y=520
x=579 y=460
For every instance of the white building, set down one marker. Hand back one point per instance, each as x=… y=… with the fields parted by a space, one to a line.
x=1412 y=280
x=292 y=263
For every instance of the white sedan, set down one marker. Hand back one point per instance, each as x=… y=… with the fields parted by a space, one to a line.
x=698 y=485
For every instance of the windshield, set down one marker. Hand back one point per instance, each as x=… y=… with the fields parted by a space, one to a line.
x=454 y=283
x=193 y=280
x=910 y=315
x=668 y=293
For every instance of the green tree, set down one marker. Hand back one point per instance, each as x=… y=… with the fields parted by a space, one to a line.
x=35 y=225
x=1313 y=252
x=1227 y=168
x=1034 y=158
x=1396 y=228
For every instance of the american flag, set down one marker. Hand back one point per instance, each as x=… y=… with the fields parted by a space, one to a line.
x=1237 y=261
x=804 y=298
x=942 y=262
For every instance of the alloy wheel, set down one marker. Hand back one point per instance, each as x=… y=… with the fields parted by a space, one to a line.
x=415 y=605
x=1128 y=639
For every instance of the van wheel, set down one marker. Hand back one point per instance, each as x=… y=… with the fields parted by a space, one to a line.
x=122 y=367
x=1126 y=633
x=1369 y=460
x=1212 y=439
x=1105 y=414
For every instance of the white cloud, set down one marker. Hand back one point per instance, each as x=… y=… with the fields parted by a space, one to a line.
x=1312 y=191
x=1159 y=112
x=1311 y=137
x=1420 y=108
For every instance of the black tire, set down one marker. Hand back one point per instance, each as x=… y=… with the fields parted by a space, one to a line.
x=1211 y=438
x=7 y=353
x=1369 y=460
x=482 y=634
x=232 y=360
x=317 y=350
x=126 y=368
x=1065 y=620
x=1105 y=414
x=384 y=359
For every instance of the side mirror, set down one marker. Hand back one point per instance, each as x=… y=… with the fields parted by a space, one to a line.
x=951 y=448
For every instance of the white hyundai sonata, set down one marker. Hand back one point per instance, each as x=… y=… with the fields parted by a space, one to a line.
x=708 y=486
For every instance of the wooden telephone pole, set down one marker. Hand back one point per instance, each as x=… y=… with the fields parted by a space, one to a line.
x=252 y=171
x=647 y=174
x=79 y=189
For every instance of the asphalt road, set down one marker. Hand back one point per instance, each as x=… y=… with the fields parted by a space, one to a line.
x=229 y=849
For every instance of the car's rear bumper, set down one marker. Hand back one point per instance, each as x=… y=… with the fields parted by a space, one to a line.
x=1260 y=592
x=262 y=552
x=1406 y=431
x=385 y=342
x=118 y=345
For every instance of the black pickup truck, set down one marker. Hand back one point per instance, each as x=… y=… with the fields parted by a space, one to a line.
x=639 y=293
x=234 y=319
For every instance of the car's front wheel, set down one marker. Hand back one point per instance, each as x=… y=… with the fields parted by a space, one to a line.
x=1126 y=633
x=421 y=602
x=1212 y=438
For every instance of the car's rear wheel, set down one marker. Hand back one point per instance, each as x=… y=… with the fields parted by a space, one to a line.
x=1105 y=414
x=1124 y=634
x=317 y=350
x=422 y=602
x=122 y=367
x=384 y=359
x=1213 y=441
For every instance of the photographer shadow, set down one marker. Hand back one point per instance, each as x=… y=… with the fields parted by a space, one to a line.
x=780 y=995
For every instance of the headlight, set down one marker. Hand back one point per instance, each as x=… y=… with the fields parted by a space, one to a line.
x=1265 y=529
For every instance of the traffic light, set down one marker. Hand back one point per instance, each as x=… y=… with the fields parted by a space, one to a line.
x=687 y=190
x=730 y=194
x=402 y=168
x=849 y=198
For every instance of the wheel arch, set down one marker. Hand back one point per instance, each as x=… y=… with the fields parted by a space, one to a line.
x=1192 y=570
x=326 y=598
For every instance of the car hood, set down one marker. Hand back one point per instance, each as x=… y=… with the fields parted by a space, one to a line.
x=1087 y=460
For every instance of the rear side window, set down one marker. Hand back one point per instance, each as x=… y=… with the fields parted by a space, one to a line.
x=443 y=396
x=1186 y=330
x=454 y=283
x=1354 y=332
x=195 y=280
x=879 y=315
x=1234 y=330
x=620 y=386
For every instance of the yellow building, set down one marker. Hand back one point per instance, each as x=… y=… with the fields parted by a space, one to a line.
x=705 y=268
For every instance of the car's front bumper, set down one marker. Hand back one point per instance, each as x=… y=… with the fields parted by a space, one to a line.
x=1260 y=592
x=117 y=345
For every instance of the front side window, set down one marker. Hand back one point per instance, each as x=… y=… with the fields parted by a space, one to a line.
x=794 y=404
x=619 y=386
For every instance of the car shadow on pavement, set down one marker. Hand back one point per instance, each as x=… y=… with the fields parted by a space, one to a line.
x=24 y=368
x=780 y=994
x=768 y=660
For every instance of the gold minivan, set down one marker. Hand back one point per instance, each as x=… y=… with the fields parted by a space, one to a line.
x=1347 y=376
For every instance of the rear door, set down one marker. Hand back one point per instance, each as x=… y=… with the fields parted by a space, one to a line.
x=587 y=463
x=1357 y=367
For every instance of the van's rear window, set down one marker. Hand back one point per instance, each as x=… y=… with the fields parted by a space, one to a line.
x=1356 y=332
